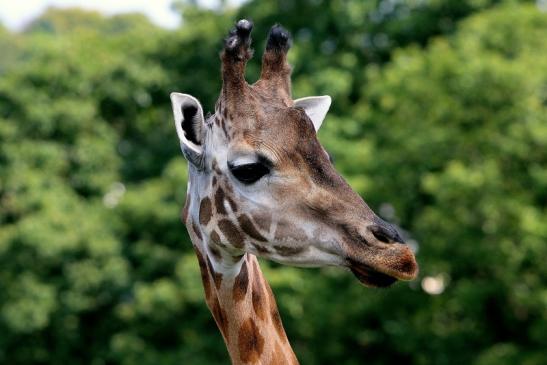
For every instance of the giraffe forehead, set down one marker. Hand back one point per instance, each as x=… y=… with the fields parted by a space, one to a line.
x=257 y=123
x=255 y=98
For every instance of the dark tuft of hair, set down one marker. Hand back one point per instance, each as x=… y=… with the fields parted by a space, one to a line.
x=278 y=39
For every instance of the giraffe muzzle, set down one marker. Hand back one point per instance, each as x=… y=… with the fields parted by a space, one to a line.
x=381 y=266
x=384 y=259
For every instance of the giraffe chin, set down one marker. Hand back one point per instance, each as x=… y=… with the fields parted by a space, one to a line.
x=370 y=277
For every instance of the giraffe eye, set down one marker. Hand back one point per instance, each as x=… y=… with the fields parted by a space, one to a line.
x=249 y=173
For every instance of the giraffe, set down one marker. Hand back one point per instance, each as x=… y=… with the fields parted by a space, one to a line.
x=261 y=185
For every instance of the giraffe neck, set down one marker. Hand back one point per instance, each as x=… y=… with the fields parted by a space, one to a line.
x=242 y=304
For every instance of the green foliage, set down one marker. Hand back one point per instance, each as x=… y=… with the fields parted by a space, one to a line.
x=439 y=120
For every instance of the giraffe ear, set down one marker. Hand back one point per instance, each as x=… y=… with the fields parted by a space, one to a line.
x=189 y=122
x=316 y=107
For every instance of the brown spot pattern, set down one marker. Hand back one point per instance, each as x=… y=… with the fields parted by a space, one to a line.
x=204 y=274
x=215 y=238
x=274 y=313
x=231 y=232
x=288 y=250
x=284 y=231
x=223 y=124
x=220 y=317
x=248 y=227
x=250 y=342
x=276 y=319
x=261 y=249
x=258 y=293
x=215 y=167
x=233 y=205
x=196 y=231
x=219 y=201
x=264 y=221
x=241 y=283
x=205 y=211
x=217 y=277
x=278 y=357
x=184 y=213
x=215 y=252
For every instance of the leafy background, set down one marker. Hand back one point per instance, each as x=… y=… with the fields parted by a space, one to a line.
x=439 y=121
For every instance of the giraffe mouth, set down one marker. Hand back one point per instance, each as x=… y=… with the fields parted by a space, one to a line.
x=382 y=271
x=370 y=277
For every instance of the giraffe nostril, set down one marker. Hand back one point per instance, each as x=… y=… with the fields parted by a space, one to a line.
x=385 y=233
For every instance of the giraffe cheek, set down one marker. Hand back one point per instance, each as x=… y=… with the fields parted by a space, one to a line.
x=263 y=220
x=231 y=232
x=288 y=232
x=249 y=228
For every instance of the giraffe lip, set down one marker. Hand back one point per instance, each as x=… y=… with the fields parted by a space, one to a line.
x=370 y=277
x=383 y=266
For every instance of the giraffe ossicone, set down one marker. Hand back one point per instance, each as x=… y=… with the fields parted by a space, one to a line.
x=260 y=184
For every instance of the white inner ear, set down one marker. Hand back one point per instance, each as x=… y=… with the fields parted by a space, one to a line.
x=316 y=107
x=178 y=102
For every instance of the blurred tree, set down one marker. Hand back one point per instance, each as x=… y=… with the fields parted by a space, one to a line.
x=465 y=122
x=446 y=137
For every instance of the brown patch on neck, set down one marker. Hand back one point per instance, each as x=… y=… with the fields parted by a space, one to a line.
x=241 y=283
x=250 y=342
x=258 y=299
x=278 y=357
x=204 y=274
x=205 y=211
x=274 y=313
x=221 y=318
x=276 y=319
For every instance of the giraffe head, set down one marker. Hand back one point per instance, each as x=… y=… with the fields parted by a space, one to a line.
x=261 y=182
